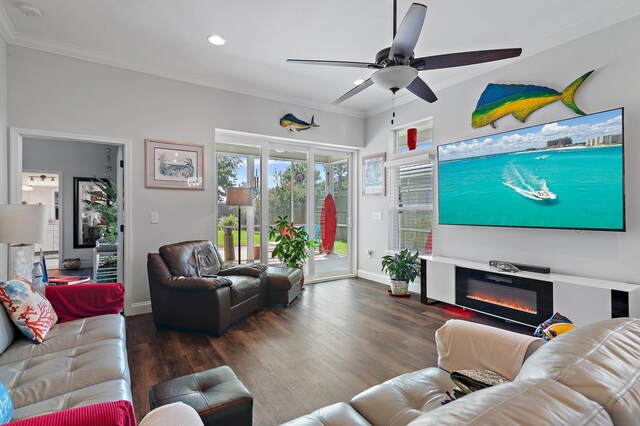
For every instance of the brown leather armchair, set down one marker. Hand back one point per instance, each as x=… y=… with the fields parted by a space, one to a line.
x=192 y=288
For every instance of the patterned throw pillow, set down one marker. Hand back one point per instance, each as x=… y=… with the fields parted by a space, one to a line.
x=28 y=309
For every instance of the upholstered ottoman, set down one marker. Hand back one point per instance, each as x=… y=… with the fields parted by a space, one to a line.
x=283 y=285
x=217 y=395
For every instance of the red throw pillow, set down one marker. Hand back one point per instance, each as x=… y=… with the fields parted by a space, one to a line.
x=28 y=309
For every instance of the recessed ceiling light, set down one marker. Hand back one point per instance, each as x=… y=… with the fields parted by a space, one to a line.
x=30 y=11
x=216 y=40
x=358 y=82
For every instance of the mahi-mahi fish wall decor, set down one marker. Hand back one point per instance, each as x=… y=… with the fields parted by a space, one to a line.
x=520 y=100
x=290 y=121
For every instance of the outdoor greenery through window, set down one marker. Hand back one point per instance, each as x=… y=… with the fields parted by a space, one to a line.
x=411 y=196
x=288 y=190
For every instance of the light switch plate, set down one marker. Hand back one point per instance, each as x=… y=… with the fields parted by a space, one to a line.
x=377 y=215
x=154 y=218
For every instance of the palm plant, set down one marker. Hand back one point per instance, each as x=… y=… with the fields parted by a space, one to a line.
x=103 y=200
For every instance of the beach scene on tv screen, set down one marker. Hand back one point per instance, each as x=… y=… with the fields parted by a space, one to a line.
x=565 y=174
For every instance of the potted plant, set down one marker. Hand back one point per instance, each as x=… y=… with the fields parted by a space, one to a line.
x=403 y=268
x=292 y=243
x=228 y=224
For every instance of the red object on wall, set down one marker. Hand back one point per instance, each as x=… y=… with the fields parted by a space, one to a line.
x=412 y=138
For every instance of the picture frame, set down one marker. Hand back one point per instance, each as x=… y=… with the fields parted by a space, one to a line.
x=86 y=222
x=174 y=165
x=374 y=180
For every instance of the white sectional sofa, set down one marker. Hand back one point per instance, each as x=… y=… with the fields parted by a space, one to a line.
x=587 y=376
x=79 y=363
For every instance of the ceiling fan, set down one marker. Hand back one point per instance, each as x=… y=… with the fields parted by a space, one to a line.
x=397 y=68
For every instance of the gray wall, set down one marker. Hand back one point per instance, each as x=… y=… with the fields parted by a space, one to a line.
x=609 y=255
x=71 y=159
x=56 y=93
x=3 y=146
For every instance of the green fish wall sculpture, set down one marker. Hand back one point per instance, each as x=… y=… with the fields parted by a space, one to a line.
x=520 y=100
x=291 y=122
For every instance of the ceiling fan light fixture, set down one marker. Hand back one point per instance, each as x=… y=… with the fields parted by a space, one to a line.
x=358 y=82
x=394 y=78
x=216 y=40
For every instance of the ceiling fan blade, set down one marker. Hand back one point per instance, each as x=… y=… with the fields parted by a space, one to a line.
x=335 y=63
x=359 y=88
x=419 y=88
x=407 y=36
x=463 y=58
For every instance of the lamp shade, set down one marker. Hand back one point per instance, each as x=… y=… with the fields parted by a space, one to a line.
x=239 y=196
x=23 y=223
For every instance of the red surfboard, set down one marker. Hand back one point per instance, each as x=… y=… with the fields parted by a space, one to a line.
x=328 y=224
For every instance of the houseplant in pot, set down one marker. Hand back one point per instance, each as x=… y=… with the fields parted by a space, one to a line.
x=403 y=268
x=228 y=224
x=292 y=243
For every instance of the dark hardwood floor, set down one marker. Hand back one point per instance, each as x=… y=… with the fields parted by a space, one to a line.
x=335 y=340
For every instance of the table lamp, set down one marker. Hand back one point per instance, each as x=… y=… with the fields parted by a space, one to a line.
x=22 y=225
x=239 y=197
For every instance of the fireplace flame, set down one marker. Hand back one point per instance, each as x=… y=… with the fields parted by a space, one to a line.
x=504 y=302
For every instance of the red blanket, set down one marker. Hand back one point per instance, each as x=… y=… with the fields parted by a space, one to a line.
x=116 y=413
x=85 y=300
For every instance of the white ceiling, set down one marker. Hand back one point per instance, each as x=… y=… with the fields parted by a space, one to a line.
x=168 y=38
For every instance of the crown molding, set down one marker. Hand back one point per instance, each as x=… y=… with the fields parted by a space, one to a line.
x=566 y=35
x=7 y=30
x=12 y=37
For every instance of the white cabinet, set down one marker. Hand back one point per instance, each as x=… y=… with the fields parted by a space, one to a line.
x=53 y=238
x=583 y=300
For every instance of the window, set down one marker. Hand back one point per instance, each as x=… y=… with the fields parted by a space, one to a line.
x=411 y=195
x=425 y=137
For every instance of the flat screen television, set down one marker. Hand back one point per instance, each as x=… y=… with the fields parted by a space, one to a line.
x=567 y=174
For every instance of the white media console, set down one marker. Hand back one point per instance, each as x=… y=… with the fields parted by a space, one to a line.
x=583 y=300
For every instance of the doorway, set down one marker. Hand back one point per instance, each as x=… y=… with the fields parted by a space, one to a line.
x=106 y=162
x=292 y=181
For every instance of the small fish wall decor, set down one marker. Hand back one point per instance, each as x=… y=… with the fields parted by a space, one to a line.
x=520 y=100
x=292 y=122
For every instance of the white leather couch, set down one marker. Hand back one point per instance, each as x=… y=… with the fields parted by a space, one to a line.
x=587 y=376
x=80 y=362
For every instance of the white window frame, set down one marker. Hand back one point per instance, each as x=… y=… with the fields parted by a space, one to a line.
x=404 y=161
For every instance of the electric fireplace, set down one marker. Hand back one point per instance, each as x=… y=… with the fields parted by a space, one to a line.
x=515 y=298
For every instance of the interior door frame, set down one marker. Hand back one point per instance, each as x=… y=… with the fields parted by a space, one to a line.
x=16 y=136
x=267 y=142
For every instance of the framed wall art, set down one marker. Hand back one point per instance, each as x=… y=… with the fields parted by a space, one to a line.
x=373 y=175
x=174 y=165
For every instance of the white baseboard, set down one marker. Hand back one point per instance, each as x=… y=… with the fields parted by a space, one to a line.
x=138 y=308
x=414 y=286
x=379 y=278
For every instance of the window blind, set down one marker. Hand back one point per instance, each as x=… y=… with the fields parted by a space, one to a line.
x=411 y=207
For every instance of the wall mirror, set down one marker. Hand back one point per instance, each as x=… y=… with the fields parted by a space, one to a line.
x=88 y=222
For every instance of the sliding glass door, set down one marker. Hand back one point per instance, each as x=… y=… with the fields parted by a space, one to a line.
x=311 y=187
x=332 y=214
x=239 y=227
